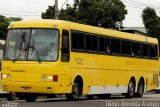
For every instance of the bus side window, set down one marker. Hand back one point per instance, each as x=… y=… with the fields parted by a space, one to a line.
x=65 y=55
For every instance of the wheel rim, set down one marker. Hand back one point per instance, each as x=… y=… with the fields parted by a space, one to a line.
x=131 y=88
x=75 y=91
x=140 y=88
x=13 y=96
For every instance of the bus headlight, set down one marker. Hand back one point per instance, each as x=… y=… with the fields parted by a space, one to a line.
x=44 y=78
x=47 y=78
x=50 y=78
x=6 y=76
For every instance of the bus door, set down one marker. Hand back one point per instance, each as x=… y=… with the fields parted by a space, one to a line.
x=65 y=58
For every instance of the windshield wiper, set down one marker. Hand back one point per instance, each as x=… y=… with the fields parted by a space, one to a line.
x=19 y=55
x=34 y=48
x=23 y=40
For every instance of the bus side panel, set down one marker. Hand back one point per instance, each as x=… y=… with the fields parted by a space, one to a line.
x=104 y=72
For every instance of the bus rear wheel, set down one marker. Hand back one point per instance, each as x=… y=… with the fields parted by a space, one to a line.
x=131 y=89
x=140 y=89
x=74 y=95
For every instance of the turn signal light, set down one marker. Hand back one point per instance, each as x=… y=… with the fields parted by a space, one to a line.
x=55 y=78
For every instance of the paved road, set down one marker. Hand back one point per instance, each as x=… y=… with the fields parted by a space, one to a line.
x=83 y=102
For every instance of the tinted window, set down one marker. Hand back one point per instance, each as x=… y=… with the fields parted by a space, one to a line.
x=94 y=43
x=115 y=46
x=91 y=42
x=102 y=44
x=82 y=41
x=88 y=42
x=75 y=40
x=136 y=49
x=145 y=50
x=78 y=41
x=126 y=47
x=153 y=51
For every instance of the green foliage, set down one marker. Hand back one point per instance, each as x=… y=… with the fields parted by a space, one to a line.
x=68 y=14
x=4 y=22
x=103 y=13
x=12 y=19
x=151 y=22
x=49 y=14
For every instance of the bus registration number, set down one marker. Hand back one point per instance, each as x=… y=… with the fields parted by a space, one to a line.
x=26 y=88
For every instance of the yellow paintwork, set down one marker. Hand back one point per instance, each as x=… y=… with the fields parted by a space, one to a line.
x=95 y=70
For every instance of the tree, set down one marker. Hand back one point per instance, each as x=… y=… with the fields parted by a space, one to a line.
x=4 y=22
x=3 y=26
x=14 y=19
x=49 y=14
x=151 y=22
x=103 y=13
x=68 y=14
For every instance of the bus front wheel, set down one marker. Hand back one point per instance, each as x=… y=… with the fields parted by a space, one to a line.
x=11 y=96
x=30 y=98
x=74 y=95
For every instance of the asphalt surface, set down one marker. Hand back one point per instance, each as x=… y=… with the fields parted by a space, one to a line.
x=148 y=100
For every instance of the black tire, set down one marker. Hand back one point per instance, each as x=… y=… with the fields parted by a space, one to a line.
x=11 y=96
x=104 y=96
x=75 y=92
x=157 y=91
x=90 y=96
x=51 y=96
x=131 y=89
x=140 y=89
x=30 y=98
x=21 y=98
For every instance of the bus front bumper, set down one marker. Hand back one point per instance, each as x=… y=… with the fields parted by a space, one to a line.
x=30 y=87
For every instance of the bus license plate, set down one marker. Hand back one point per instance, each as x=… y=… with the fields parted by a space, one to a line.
x=24 y=88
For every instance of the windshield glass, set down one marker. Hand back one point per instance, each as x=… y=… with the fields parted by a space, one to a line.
x=32 y=44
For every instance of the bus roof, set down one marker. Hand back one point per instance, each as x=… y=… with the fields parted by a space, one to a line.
x=80 y=27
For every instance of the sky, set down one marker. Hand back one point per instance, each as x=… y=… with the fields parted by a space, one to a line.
x=32 y=9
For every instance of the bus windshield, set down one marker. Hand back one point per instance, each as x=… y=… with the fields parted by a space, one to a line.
x=32 y=44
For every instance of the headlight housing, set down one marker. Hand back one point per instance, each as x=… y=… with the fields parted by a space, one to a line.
x=47 y=78
x=50 y=78
x=5 y=76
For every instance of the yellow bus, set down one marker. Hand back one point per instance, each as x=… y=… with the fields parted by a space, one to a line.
x=46 y=57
